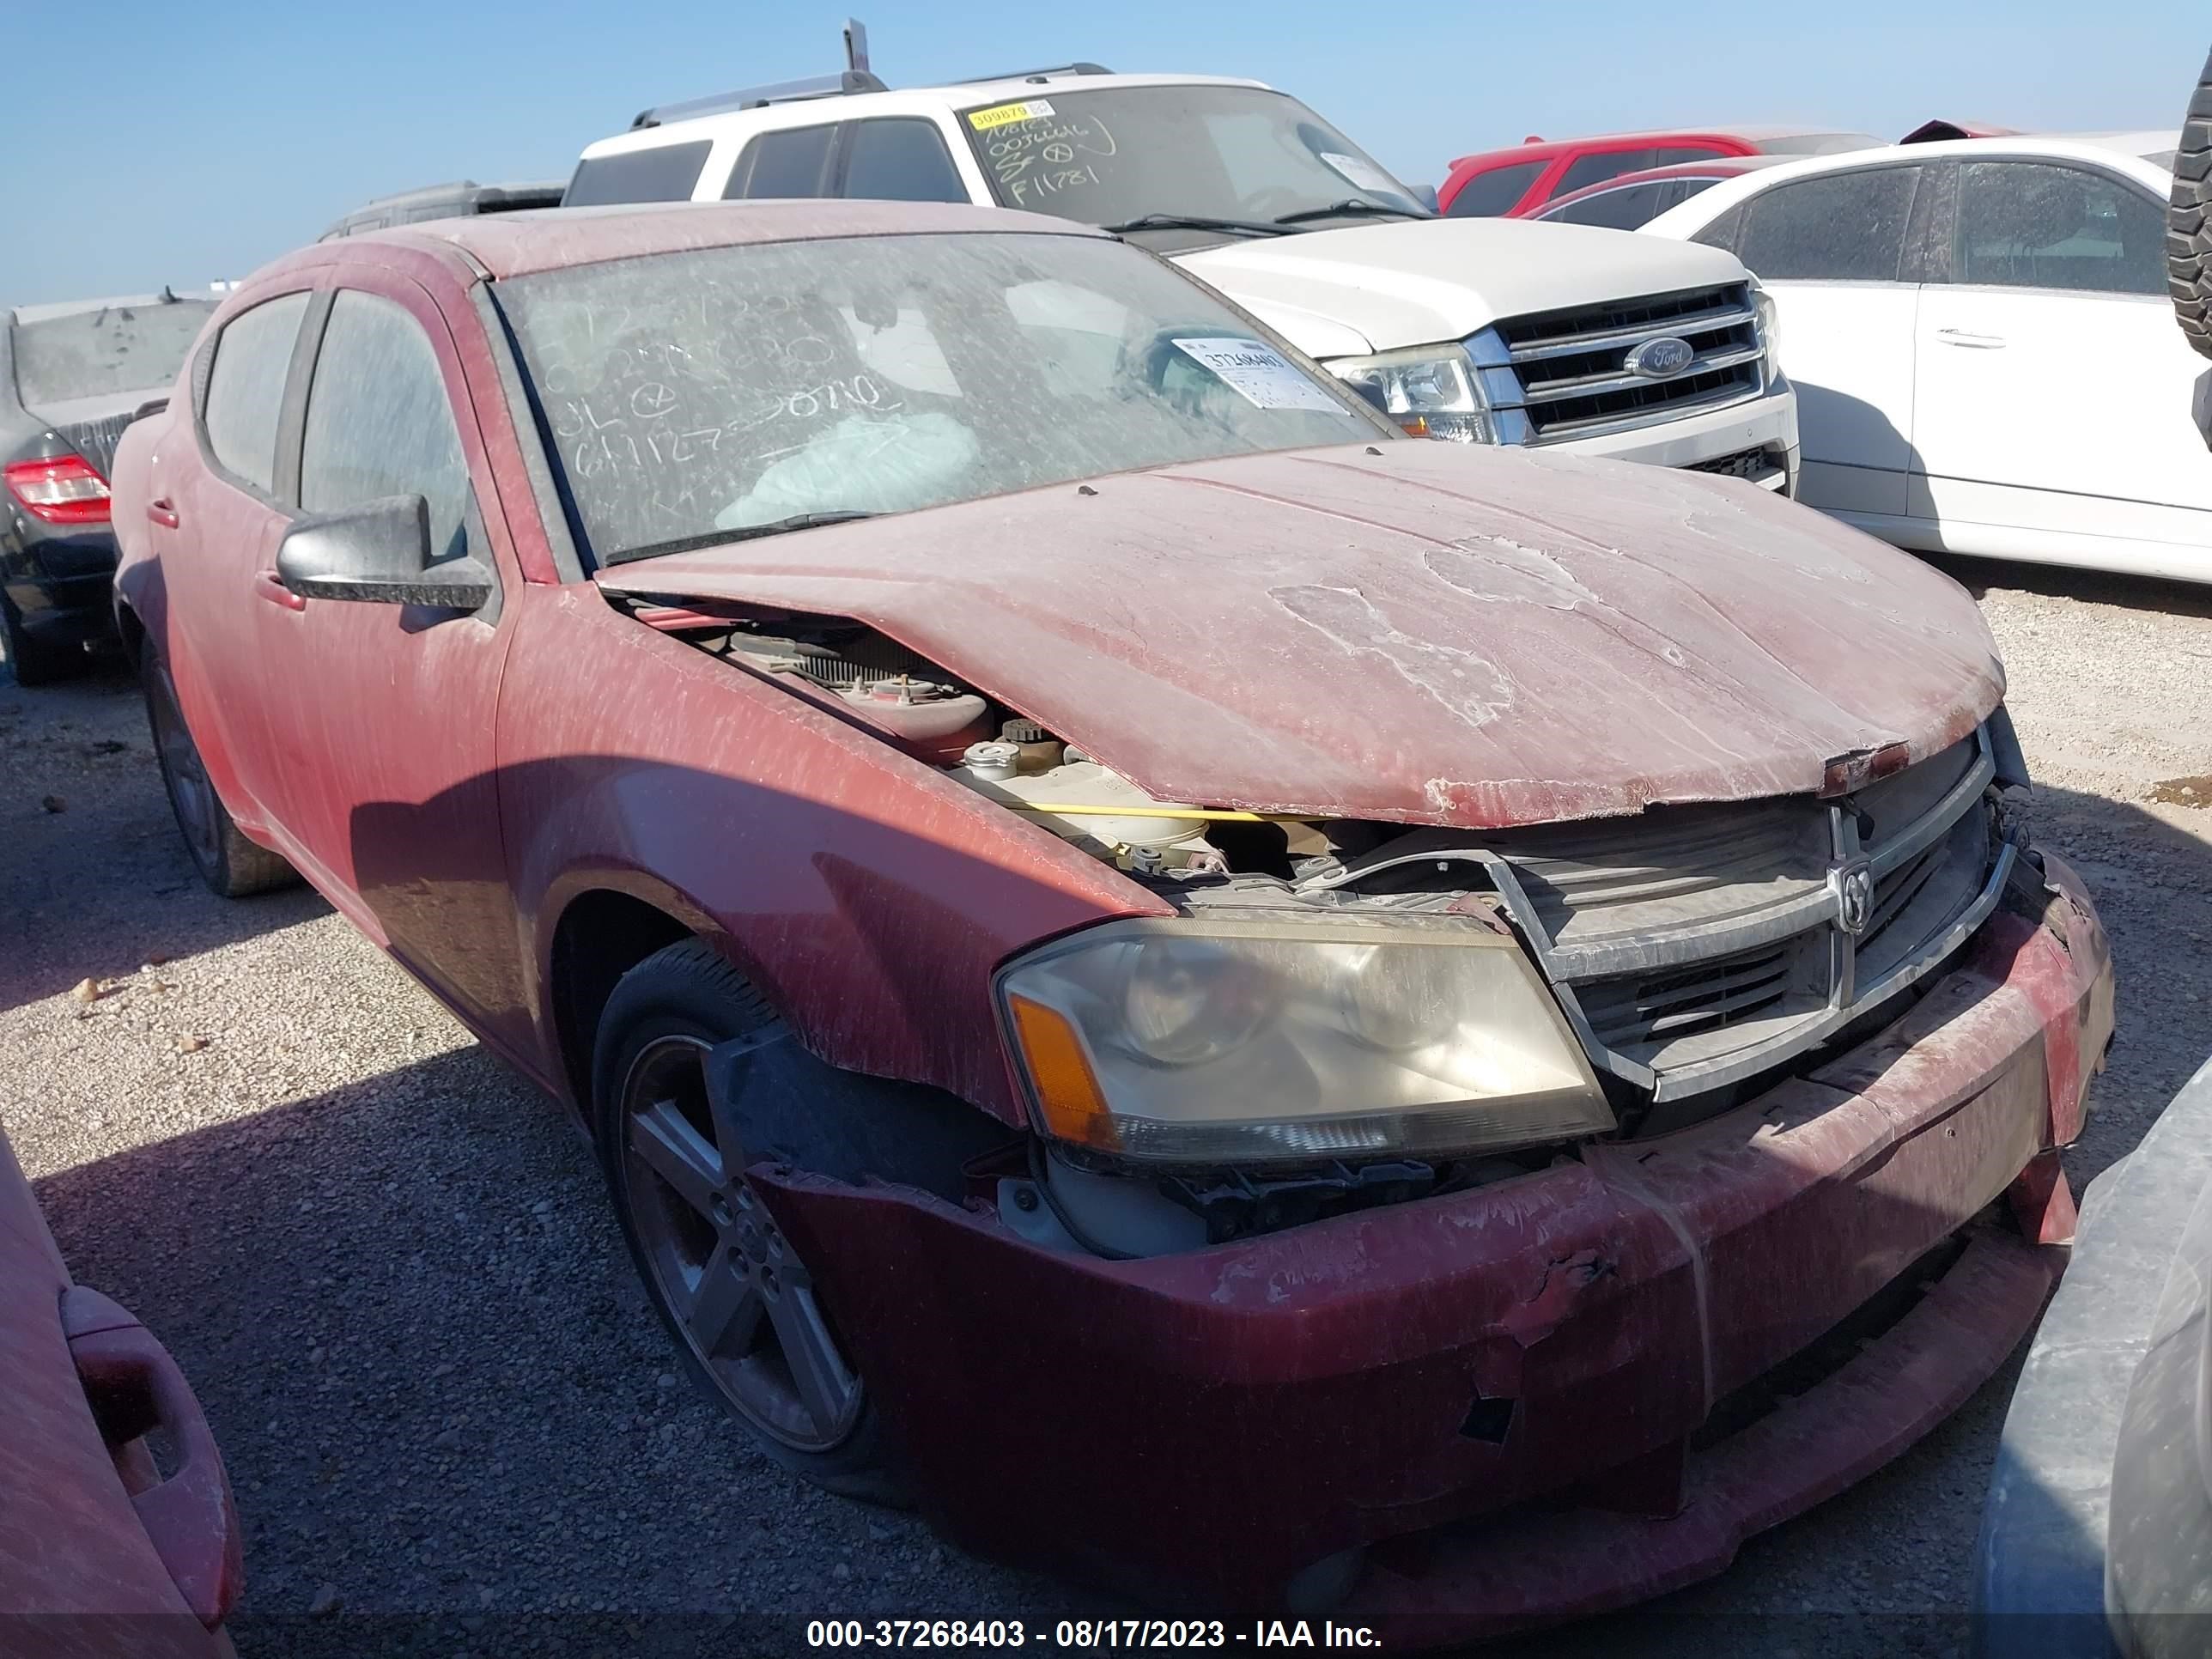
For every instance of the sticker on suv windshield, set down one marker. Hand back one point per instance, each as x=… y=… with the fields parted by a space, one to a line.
x=1005 y=115
x=1362 y=174
x=1258 y=374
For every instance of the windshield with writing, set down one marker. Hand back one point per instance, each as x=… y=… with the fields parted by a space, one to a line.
x=696 y=394
x=1110 y=156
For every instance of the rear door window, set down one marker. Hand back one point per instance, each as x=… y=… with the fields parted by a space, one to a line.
x=794 y=161
x=666 y=172
x=1488 y=194
x=900 y=158
x=1837 y=228
x=379 y=421
x=2030 y=224
x=245 y=388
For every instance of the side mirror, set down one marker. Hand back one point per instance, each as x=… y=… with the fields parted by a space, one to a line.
x=379 y=552
x=151 y=406
x=1426 y=196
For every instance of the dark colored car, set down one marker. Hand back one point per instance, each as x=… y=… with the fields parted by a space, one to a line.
x=1633 y=200
x=1519 y=182
x=458 y=200
x=104 y=1548
x=1226 y=998
x=72 y=377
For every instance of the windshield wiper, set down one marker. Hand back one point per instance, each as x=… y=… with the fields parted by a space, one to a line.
x=1196 y=221
x=743 y=532
x=1351 y=207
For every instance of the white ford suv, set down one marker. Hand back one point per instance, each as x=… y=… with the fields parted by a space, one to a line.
x=1490 y=331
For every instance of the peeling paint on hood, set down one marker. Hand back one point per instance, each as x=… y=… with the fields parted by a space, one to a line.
x=1421 y=633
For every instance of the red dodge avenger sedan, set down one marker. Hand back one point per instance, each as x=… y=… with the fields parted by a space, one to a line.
x=1230 y=1003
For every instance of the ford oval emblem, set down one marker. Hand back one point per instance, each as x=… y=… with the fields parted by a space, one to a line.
x=1663 y=358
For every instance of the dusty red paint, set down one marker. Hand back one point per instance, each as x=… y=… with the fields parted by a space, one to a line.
x=89 y=1567
x=1302 y=1393
x=1425 y=633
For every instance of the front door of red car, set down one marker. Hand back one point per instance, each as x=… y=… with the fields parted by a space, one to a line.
x=382 y=715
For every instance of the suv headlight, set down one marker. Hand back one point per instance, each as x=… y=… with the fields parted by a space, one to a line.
x=1430 y=390
x=1246 y=1041
x=1770 y=328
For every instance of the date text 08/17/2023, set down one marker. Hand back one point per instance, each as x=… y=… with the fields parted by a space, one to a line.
x=1087 y=1635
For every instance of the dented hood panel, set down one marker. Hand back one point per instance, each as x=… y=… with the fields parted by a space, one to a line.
x=1416 y=632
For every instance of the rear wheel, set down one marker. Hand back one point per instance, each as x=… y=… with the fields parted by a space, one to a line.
x=735 y=1296
x=232 y=866
x=2189 y=220
x=35 y=661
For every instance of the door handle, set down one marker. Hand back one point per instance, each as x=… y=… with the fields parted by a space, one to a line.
x=271 y=587
x=1959 y=336
x=163 y=513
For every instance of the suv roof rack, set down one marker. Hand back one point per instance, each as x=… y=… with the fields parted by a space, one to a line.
x=854 y=78
x=1077 y=68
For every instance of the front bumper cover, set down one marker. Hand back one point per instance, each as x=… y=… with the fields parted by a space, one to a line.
x=1210 y=1424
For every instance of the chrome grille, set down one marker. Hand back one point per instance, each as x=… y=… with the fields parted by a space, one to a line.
x=1564 y=374
x=1695 y=946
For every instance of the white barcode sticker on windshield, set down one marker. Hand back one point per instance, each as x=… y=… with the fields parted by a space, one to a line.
x=1358 y=171
x=1258 y=373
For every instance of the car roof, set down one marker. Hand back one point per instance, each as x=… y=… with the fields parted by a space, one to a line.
x=547 y=239
x=1713 y=166
x=1546 y=148
x=1686 y=218
x=853 y=106
x=41 y=313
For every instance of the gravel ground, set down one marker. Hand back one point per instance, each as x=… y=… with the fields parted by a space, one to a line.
x=389 y=1267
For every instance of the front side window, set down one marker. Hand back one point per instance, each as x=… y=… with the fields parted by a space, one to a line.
x=1109 y=157
x=379 y=421
x=1599 y=166
x=1494 y=191
x=107 y=352
x=791 y=162
x=2031 y=224
x=695 y=395
x=1838 y=227
x=660 y=173
x=900 y=158
x=246 y=387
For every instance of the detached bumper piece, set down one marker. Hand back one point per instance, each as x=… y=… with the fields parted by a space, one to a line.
x=1207 y=1426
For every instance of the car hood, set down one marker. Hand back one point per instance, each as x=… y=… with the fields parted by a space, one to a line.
x=1408 y=631
x=1417 y=281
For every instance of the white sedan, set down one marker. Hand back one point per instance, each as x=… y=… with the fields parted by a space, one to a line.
x=1985 y=353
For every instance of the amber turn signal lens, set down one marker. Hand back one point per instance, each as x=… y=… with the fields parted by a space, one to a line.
x=1067 y=1092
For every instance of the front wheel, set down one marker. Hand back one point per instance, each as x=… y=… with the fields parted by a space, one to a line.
x=232 y=866
x=733 y=1293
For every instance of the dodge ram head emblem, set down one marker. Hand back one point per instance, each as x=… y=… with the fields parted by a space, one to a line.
x=1661 y=359
x=1854 y=885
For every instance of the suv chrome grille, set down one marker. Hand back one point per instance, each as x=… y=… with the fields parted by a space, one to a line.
x=1695 y=946
x=1565 y=373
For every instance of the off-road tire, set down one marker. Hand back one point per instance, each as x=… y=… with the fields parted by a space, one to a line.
x=232 y=866
x=688 y=990
x=2189 y=220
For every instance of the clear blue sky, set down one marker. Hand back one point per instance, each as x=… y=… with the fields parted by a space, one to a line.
x=182 y=143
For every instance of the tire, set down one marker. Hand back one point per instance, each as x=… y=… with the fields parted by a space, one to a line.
x=35 y=661
x=232 y=866
x=2189 y=220
x=735 y=1345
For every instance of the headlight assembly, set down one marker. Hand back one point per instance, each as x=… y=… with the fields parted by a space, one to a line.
x=1770 y=327
x=1430 y=390
x=1246 y=1042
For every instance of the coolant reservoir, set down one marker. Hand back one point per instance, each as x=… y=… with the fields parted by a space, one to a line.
x=1080 y=784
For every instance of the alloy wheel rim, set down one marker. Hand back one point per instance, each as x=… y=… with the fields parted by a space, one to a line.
x=191 y=796
x=743 y=1300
